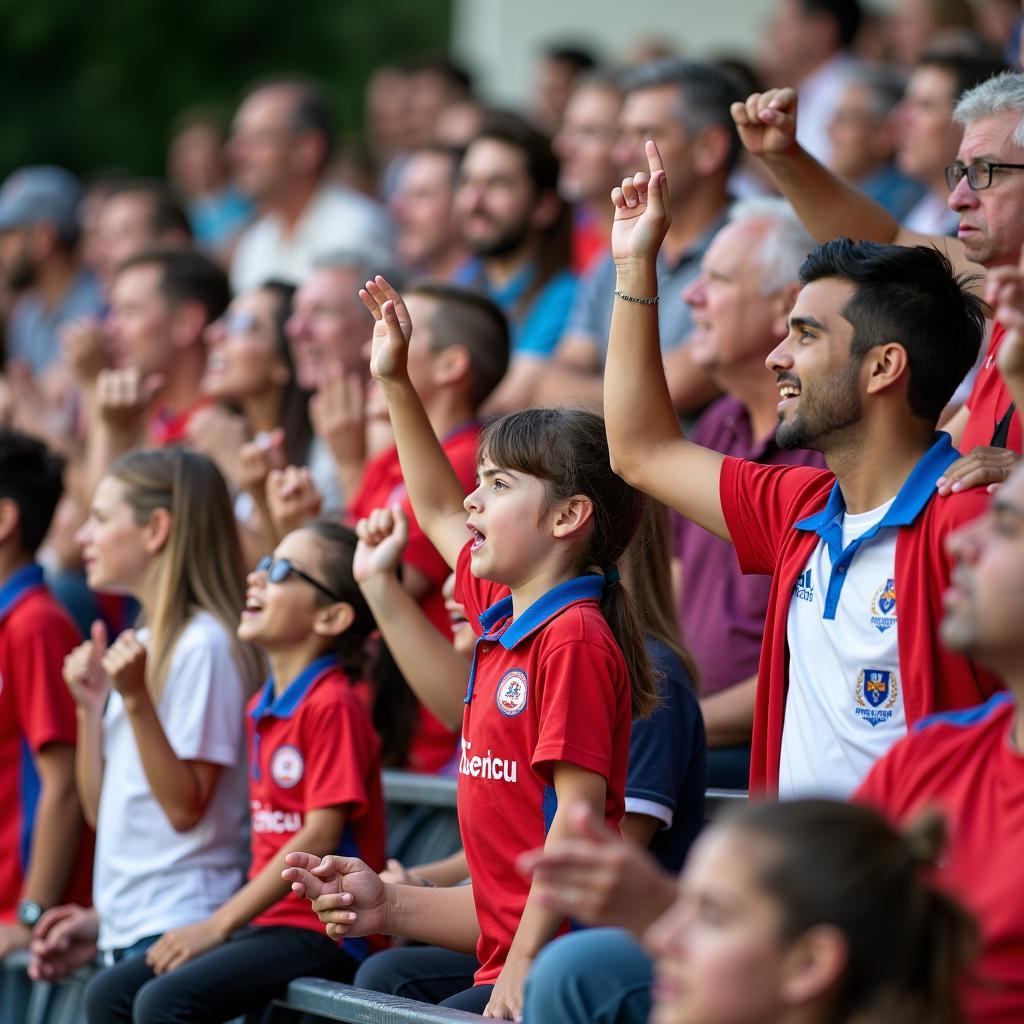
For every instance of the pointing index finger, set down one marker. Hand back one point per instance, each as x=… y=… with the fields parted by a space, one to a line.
x=653 y=156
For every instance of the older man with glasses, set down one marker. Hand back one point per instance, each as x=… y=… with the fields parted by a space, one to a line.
x=987 y=196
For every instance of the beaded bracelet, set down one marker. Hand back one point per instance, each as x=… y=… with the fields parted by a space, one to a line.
x=643 y=300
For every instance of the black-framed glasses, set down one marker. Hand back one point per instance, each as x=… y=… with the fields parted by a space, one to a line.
x=279 y=569
x=979 y=174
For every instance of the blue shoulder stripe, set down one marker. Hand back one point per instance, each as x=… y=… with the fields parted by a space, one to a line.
x=965 y=717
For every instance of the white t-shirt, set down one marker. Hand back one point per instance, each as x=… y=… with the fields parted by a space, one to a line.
x=844 y=705
x=335 y=219
x=148 y=877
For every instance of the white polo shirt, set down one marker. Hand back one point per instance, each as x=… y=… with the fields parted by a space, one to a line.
x=844 y=705
x=148 y=877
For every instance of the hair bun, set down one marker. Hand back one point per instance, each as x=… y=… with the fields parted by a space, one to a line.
x=926 y=837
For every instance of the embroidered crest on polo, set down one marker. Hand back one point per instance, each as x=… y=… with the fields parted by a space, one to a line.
x=883 y=606
x=876 y=693
x=511 y=693
x=286 y=766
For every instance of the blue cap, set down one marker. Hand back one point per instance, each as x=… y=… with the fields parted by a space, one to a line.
x=41 y=195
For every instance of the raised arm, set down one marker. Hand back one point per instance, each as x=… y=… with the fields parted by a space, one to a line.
x=436 y=672
x=434 y=489
x=828 y=206
x=646 y=443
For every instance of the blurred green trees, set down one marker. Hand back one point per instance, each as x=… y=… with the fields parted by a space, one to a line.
x=95 y=86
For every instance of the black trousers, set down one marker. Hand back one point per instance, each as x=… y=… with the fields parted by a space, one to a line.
x=239 y=977
x=426 y=973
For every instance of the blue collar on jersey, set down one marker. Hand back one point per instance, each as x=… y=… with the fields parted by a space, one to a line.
x=546 y=607
x=582 y=588
x=915 y=493
x=17 y=585
x=285 y=705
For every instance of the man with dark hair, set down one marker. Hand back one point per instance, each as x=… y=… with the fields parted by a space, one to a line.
x=429 y=241
x=435 y=82
x=808 y=42
x=281 y=146
x=511 y=216
x=879 y=338
x=684 y=105
x=161 y=303
x=138 y=213
x=42 y=818
x=38 y=262
x=559 y=69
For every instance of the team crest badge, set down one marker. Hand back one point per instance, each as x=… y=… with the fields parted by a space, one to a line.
x=286 y=767
x=883 y=606
x=877 y=690
x=511 y=693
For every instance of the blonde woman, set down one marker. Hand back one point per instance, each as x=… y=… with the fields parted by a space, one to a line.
x=161 y=766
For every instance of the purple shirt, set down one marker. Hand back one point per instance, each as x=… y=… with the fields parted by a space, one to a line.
x=721 y=612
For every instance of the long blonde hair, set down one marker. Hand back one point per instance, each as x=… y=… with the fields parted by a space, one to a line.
x=200 y=565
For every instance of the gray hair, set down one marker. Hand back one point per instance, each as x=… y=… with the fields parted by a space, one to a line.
x=706 y=93
x=365 y=261
x=994 y=96
x=785 y=244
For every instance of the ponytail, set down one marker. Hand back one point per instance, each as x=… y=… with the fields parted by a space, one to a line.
x=620 y=613
x=908 y=945
x=944 y=938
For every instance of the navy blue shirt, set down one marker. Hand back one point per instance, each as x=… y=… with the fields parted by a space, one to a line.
x=668 y=762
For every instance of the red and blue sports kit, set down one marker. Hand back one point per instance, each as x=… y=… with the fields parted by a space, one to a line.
x=313 y=746
x=963 y=763
x=549 y=686
x=35 y=709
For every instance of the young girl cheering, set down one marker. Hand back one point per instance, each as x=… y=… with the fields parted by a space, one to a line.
x=161 y=750
x=314 y=783
x=559 y=669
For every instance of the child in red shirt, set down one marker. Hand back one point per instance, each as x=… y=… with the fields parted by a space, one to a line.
x=559 y=669
x=314 y=781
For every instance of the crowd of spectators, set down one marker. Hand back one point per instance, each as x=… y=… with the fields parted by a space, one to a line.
x=662 y=435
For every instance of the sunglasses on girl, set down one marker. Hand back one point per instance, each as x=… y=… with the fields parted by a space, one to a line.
x=279 y=569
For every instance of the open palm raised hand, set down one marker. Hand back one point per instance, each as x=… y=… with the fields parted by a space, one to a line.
x=392 y=329
x=642 y=211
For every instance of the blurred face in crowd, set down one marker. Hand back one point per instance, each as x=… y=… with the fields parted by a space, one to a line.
x=18 y=258
x=243 y=357
x=733 y=319
x=140 y=326
x=429 y=93
x=655 y=114
x=265 y=151
x=124 y=227
x=927 y=138
x=992 y=220
x=328 y=326
x=585 y=142
x=552 y=88
x=985 y=600
x=910 y=27
x=195 y=160
x=423 y=207
x=720 y=958
x=819 y=384
x=496 y=201
x=387 y=94
x=117 y=552
x=862 y=140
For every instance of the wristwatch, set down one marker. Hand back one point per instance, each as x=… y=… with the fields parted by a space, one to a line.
x=29 y=913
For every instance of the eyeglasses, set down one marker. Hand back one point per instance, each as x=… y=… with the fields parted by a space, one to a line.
x=238 y=321
x=979 y=174
x=279 y=569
